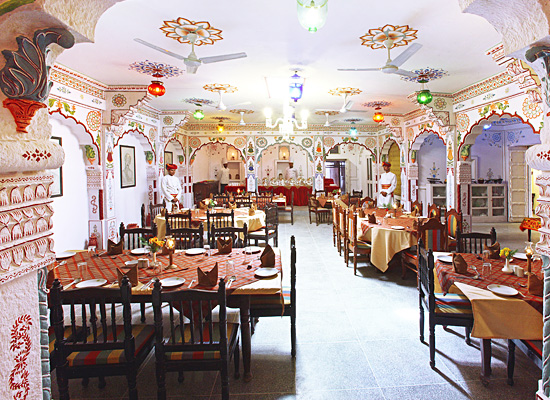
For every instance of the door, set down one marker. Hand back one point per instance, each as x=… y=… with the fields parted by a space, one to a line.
x=336 y=170
x=517 y=184
x=370 y=178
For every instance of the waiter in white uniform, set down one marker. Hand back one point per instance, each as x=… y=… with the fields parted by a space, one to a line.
x=290 y=172
x=171 y=188
x=386 y=186
x=224 y=177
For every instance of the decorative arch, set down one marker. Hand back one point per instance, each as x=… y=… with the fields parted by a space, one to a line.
x=175 y=140
x=418 y=140
x=349 y=142
x=194 y=153
x=139 y=134
x=308 y=152
x=385 y=148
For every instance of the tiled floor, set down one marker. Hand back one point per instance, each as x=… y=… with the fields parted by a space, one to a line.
x=357 y=339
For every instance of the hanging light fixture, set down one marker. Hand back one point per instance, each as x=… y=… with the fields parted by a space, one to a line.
x=424 y=96
x=378 y=116
x=353 y=130
x=288 y=121
x=312 y=14
x=296 y=87
x=198 y=114
x=156 y=88
x=220 y=128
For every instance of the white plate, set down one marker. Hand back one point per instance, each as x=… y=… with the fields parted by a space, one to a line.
x=252 y=249
x=172 y=282
x=502 y=290
x=91 y=283
x=139 y=252
x=445 y=259
x=520 y=256
x=64 y=254
x=194 y=252
x=398 y=227
x=266 y=272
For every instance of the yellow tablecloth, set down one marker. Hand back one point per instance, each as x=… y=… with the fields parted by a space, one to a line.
x=385 y=243
x=501 y=317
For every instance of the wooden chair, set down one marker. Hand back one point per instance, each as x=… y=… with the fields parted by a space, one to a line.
x=319 y=193
x=179 y=220
x=219 y=220
x=434 y=234
x=154 y=210
x=353 y=245
x=335 y=227
x=289 y=208
x=443 y=309
x=222 y=200
x=198 y=344
x=342 y=226
x=266 y=192
x=531 y=348
x=473 y=242
x=108 y=349
x=355 y=200
x=243 y=201
x=263 y=200
x=277 y=305
x=186 y=238
x=357 y=193
x=367 y=202
x=434 y=211
x=271 y=228
x=418 y=206
x=133 y=236
x=453 y=221
x=321 y=214
x=238 y=236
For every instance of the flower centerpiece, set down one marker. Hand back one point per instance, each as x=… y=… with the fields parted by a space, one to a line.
x=155 y=244
x=508 y=254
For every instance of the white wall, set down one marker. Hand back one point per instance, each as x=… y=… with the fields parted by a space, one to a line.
x=431 y=151
x=489 y=154
x=356 y=166
x=128 y=201
x=209 y=160
x=297 y=155
x=70 y=219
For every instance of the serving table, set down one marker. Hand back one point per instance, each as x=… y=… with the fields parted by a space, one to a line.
x=245 y=285
x=385 y=240
x=301 y=193
x=495 y=316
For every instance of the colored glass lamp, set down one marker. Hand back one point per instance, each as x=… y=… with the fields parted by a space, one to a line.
x=353 y=130
x=312 y=14
x=378 y=116
x=156 y=88
x=220 y=128
x=296 y=87
x=198 y=114
x=424 y=96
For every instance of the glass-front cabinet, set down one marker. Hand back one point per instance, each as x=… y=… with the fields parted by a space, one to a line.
x=489 y=202
x=437 y=194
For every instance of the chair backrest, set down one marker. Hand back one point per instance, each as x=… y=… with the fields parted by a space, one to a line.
x=434 y=234
x=96 y=310
x=187 y=238
x=312 y=202
x=219 y=219
x=179 y=220
x=266 y=192
x=238 y=236
x=417 y=205
x=426 y=275
x=243 y=201
x=352 y=228
x=342 y=220
x=143 y=216
x=354 y=200
x=133 y=236
x=453 y=220
x=357 y=193
x=473 y=242
x=156 y=209
x=335 y=217
x=434 y=211
x=319 y=193
x=221 y=199
x=367 y=202
x=271 y=216
x=197 y=333
x=263 y=200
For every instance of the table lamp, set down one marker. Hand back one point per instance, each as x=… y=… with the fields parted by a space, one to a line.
x=394 y=210
x=529 y=251
x=170 y=245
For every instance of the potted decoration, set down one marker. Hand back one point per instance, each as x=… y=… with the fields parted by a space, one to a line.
x=149 y=157
x=90 y=153
x=180 y=159
x=155 y=244
x=508 y=254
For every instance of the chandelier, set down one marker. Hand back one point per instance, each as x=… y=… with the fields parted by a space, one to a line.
x=287 y=122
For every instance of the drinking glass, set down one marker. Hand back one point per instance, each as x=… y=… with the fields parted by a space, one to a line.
x=91 y=251
x=83 y=273
x=207 y=250
x=229 y=270
x=486 y=266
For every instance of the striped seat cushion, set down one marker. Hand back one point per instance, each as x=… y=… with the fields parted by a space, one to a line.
x=288 y=208
x=271 y=300
x=363 y=245
x=452 y=303
x=261 y=232
x=408 y=253
x=142 y=334
x=68 y=334
x=232 y=331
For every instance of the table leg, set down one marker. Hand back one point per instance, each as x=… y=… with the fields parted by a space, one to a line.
x=246 y=336
x=485 y=361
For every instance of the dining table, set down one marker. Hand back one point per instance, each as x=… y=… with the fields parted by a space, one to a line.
x=502 y=306
x=242 y=216
x=246 y=284
x=391 y=234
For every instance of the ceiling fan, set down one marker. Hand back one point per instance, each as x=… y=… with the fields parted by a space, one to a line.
x=345 y=107
x=192 y=62
x=392 y=66
x=220 y=106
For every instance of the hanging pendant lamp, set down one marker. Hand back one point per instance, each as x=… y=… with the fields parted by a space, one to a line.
x=378 y=116
x=312 y=14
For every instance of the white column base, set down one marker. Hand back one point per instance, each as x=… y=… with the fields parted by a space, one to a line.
x=540 y=393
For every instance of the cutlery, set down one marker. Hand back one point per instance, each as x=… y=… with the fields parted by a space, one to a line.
x=72 y=283
x=148 y=284
x=522 y=285
x=191 y=284
x=230 y=282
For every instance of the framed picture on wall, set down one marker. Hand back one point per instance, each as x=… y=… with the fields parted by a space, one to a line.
x=57 y=185
x=127 y=166
x=168 y=159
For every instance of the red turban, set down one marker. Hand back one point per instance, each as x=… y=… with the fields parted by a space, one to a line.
x=171 y=166
x=386 y=164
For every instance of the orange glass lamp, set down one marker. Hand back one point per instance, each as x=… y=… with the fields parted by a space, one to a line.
x=156 y=88
x=378 y=116
x=220 y=128
x=170 y=245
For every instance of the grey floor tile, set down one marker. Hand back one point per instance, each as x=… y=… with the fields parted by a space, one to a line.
x=523 y=389
x=443 y=391
x=358 y=394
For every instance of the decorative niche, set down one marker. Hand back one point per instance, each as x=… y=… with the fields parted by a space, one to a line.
x=284 y=153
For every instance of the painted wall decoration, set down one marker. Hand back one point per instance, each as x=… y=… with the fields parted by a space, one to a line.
x=261 y=142
x=93 y=119
x=194 y=142
x=20 y=345
x=370 y=142
x=168 y=120
x=426 y=74
x=395 y=121
x=483 y=111
x=127 y=166
x=240 y=142
x=465 y=151
x=179 y=28
x=440 y=103
x=328 y=142
x=402 y=35
x=462 y=122
x=119 y=100
x=307 y=142
x=156 y=69
x=531 y=109
x=152 y=134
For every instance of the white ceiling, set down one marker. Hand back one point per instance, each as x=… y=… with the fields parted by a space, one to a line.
x=269 y=32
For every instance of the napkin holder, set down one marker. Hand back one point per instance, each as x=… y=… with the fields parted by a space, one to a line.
x=224 y=246
x=459 y=265
x=252 y=210
x=208 y=278
x=113 y=248
x=372 y=218
x=267 y=258
x=131 y=272
x=535 y=285
x=494 y=250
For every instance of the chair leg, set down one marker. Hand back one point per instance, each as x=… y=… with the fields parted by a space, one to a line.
x=237 y=360
x=62 y=384
x=421 y=319
x=132 y=383
x=161 y=379
x=432 y=344
x=142 y=308
x=293 y=332
x=467 y=336
x=354 y=262
x=224 y=376
x=511 y=362
x=102 y=382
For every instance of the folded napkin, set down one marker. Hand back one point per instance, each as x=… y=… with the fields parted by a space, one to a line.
x=203 y=206
x=372 y=218
x=535 y=285
x=232 y=206
x=252 y=210
x=322 y=201
x=224 y=246
x=267 y=258
x=361 y=213
x=459 y=264
x=494 y=250
x=130 y=272
x=132 y=226
x=345 y=199
x=208 y=278
x=414 y=213
x=115 y=248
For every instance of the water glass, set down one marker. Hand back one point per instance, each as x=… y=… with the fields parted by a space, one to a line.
x=207 y=250
x=83 y=273
x=486 y=269
x=91 y=251
x=229 y=270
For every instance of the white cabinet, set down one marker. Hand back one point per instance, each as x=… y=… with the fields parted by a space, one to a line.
x=436 y=194
x=489 y=202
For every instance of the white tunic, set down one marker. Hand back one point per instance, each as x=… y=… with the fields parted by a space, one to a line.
x=387 y=183
x=291 y=173
x=224 y=176
x=170 y=185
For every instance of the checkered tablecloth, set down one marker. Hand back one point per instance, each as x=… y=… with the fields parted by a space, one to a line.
x=401 y=220
x=105 y=267
x=447 y=276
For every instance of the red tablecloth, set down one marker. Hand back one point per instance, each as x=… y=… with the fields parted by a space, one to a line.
x=301 y=193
